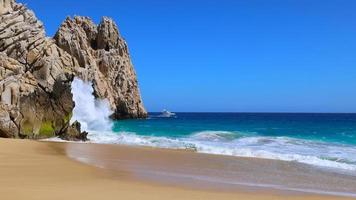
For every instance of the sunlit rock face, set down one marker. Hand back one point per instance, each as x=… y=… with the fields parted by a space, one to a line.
x=104 y=59
x=5 y=6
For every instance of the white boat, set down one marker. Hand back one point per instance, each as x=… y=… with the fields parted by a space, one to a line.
x=166 y=113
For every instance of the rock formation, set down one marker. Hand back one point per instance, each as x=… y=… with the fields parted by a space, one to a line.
x=104 y=59
x=36 y=73
x=74 y=133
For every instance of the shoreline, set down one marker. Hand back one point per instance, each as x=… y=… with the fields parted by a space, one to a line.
x=178 y=167
x=46 y=170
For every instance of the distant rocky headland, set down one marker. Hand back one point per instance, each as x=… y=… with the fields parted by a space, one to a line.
x=36 y=73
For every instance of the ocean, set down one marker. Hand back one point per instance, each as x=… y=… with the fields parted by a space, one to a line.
x=321 y=140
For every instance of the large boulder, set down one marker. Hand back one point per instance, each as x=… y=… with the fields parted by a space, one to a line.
x=74 y=133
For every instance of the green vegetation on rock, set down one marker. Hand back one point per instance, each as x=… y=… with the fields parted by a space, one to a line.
x=68 y=117
x=46 y=130
x=27 y=128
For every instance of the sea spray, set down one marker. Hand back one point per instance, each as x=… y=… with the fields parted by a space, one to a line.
x=93 y=114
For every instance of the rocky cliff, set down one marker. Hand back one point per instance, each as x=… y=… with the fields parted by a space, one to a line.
x=36 y=72
x=104 y=59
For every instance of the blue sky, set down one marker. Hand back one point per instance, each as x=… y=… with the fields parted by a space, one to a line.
x=230 y=55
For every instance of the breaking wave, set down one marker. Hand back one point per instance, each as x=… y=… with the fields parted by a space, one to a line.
x=93 y=114
x=237 y=144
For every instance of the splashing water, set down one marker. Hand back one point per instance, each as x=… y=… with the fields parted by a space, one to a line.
x=93 y=114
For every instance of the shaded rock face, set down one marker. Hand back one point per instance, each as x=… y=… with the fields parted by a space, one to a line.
x=104 y=59
x=36 y=73
x=73 y=133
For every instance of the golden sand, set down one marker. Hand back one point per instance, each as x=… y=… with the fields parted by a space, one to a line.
x=34 y=170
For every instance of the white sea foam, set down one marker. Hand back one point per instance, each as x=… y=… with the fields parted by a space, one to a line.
x=213 y=142
x=215 y=136
x=93 y=114
x=286 y=149
x=276 y=148
x=127 y=138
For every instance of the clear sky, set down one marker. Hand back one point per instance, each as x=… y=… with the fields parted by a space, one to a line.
x=232 y=55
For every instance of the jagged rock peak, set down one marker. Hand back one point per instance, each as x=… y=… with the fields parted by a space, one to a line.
x=105 y=36
x=108 y=35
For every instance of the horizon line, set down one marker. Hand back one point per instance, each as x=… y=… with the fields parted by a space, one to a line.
x=229 y=112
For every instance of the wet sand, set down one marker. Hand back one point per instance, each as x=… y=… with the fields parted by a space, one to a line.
x=43 y=170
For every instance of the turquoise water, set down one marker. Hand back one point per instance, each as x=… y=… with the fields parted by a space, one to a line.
x=338 y=128
x=321 y=140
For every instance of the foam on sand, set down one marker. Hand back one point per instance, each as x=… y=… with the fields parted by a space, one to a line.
x=319 y=154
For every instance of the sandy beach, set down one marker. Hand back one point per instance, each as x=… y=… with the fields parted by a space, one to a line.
x=214 y=100
x=42 y=170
